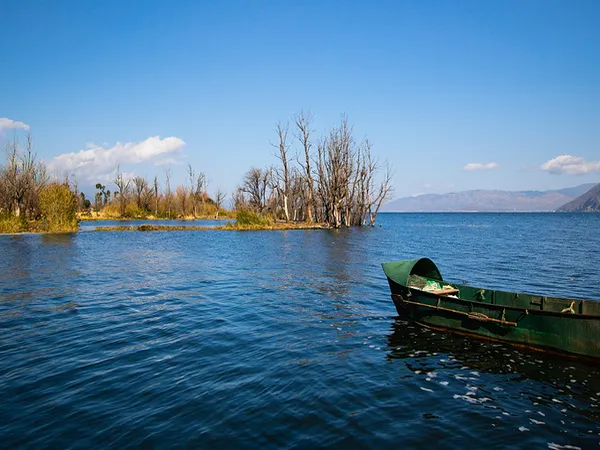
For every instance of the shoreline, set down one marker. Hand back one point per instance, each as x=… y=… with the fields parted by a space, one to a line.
x=150 y=227
x=232 y=227
x=21 y=233
x=151 y=219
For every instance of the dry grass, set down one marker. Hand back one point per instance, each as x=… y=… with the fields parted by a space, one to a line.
x=228 y=227
x=113 y=215
x=15 y=225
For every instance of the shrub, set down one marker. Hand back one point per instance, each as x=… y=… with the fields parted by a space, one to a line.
x=10 y=224
x=58 y=207
x=249 y=218
x=111 y=210
x=132 y=211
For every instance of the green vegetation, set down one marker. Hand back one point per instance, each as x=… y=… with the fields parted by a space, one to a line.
x=248 y=218
x=10 y=224
x=55 y=211
x=58 y=208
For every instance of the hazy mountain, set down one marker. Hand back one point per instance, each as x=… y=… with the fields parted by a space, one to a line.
x=588 y=202
x=487 y=201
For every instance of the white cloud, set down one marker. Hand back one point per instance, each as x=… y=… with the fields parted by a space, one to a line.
x=571 y=165
x=10 y=124
x=480 y=166
x=98 y=163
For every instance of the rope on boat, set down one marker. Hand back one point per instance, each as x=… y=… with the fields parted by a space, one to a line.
x=471 y=315
x=569 y=309
x=479 y=316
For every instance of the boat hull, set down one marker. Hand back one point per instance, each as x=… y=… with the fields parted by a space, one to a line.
x=565 y=326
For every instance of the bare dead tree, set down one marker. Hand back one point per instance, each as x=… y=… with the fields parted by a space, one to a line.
x=335 y=166
x=298 y=193
x=22 y=178
x=146 y=198
x=123 y=187
x=239 y=201
x=283 y=173
x=201 y=187
x=168 y=191
x=255 y=185
x=192 y=178
x=4 y=194
x=181 y=196
x=155 y=187
x=336 y=186
x=322 y=184
x=385 y=190
x=303 y=121
x=141 y=185
x=31 y=178
x=219 y=198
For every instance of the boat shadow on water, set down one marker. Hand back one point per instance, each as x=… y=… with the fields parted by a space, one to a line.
x=434 y=349
x=514 y=380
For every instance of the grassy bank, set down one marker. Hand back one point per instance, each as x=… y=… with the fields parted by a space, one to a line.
x=51 y=210
x=111 y=214
x=16 y=225
x=245 y=221
x=228 y=227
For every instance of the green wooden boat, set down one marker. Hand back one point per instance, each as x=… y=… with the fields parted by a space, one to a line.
x=558 y=325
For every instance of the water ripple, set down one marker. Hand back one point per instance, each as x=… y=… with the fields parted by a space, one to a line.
x=285 y=339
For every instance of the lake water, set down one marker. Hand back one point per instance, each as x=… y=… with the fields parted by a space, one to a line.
x=281 y=339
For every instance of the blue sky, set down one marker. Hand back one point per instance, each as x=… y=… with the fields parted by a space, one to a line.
x=508 y=89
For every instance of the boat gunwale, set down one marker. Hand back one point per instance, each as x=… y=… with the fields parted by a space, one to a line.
x=500 y=306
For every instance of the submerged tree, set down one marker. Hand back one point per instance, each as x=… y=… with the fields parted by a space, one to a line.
x=303 y=121
x=283 y=173
x=337 y=185
x=219 y=198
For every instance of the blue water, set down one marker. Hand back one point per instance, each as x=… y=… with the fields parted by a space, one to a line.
x=286 y=339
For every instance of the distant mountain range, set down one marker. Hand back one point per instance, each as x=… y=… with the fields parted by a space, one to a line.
x=488 y=201
x=588 y=202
